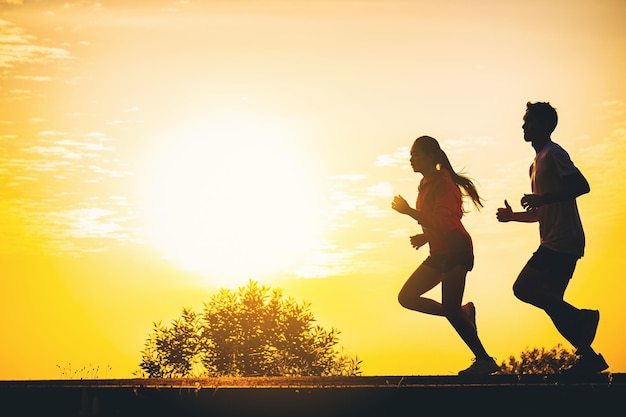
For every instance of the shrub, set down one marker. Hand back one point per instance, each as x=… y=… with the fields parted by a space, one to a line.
x=539 y=361
x=254 y=331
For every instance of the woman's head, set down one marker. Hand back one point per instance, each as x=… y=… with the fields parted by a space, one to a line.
x=426 y=151
x=427 y=145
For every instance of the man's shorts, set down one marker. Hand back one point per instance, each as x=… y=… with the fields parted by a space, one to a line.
x=446 y=262
x=559 y=265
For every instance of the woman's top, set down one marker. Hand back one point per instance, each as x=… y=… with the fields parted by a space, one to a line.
x=440 y=203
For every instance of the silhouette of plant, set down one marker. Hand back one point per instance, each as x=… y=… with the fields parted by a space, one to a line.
x=539 y=361
x=84 y=372
x=254 y=331
x=172 y=351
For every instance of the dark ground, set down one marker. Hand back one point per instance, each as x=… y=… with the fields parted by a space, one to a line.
x=498 y=395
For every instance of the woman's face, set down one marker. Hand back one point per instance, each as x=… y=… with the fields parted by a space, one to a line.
x=419 y=160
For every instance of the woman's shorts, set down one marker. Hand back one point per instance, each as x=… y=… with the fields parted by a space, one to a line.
x=446 y=262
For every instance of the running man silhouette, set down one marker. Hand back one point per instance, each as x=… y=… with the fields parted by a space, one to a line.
x=556 y=183
x=438 y=210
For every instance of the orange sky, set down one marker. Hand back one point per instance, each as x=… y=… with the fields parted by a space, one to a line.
x=152 y=152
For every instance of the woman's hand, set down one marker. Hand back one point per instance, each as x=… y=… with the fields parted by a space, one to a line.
x=418 y=241
x=400 y=205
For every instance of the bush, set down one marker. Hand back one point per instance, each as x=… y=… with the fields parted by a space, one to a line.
x=539 y=361
x=254 y=331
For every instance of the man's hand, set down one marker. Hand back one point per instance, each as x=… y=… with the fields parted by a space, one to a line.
x=532 y=201
x=418 y=241
x=505 y=214
x=400 y=205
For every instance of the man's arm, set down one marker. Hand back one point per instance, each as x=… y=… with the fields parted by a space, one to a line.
x=507 y=214
x=574 y=185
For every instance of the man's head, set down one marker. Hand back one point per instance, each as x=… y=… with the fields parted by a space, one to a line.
x=540 y=121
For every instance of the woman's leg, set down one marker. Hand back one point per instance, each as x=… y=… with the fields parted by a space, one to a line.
x=421 y=281
x=453 y=287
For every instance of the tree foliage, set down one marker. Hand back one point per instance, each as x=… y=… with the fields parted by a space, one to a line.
x=254 y=331
x=539 y=361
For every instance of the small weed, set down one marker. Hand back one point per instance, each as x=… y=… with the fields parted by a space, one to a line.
x=84 y=372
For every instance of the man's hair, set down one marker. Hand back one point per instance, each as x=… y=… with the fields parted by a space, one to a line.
x=544 y=113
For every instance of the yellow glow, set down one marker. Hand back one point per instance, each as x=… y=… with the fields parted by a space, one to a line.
x=232 y=200
x=150 y=155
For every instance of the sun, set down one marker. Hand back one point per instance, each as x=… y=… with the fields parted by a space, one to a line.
x=233 y=200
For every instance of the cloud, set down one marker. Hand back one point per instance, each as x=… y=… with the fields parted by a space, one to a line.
x=348 y=177
x=37 y=78
x=383 y=189
x=17 y=47
x=610 y=109
x=397 y=158
x=57 y=188
x=88 y=227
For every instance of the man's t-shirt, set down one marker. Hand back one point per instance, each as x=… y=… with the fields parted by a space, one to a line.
x=560 y=227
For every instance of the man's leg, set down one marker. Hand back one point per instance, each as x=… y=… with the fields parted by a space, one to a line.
x=541 y=289
x=542 y=283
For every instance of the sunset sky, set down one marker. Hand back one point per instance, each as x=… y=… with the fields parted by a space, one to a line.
x=153 y=152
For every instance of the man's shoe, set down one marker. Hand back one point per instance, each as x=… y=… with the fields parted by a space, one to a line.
x=587 y=365
x=481 y=367
x=587 y=327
